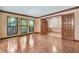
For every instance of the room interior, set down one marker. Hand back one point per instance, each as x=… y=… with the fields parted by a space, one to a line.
x=39 y=29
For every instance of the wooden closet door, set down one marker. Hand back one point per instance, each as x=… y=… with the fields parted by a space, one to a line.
x=44 y=26
x=68 y=26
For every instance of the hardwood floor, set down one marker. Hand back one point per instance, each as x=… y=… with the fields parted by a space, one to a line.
x=37 y=43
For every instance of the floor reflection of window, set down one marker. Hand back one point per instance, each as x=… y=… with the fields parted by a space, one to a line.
x=23 y=41
x=31 y=25
x=23 y=25
x=12 y=45
x=54 y=49
x=12 y=26
x=31 y=41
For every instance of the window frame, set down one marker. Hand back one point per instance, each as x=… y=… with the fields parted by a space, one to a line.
x=26 y=26
x=32 y=19
x=12 y=26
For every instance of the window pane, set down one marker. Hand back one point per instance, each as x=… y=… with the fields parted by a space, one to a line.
x=31 y=24
x=12 y=26
x=23 y=22
x=24 y=29
x=12 y=21
x=23 y=25
x=31 y=29
x=12 y=30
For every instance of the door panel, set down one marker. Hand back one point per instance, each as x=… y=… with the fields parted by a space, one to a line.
x=68 y=26
x=44 y=26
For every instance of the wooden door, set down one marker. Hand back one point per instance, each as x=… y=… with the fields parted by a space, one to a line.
x=68 y=26
x=44 y=26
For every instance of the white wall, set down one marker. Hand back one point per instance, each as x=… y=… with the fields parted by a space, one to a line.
x=76 y=14
x=37 y=25
x=55 y=23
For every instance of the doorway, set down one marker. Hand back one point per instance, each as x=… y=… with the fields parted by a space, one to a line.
x=44 y=26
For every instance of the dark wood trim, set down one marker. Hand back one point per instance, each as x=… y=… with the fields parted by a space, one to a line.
x=19 y=35
x=17 y=13
x=72 y=40
x=61 y=11
x=54 y=28
x=40 y=16
x=76 y=40
x=51 y=30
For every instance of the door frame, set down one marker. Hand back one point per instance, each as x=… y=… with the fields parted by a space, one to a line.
x=73 y=24
x=46 y=26
x=7 y=25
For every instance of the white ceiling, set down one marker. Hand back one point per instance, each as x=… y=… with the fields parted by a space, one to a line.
x=36 y=11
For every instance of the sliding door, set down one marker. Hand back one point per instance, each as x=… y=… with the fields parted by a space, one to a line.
x=12 y=26
x=23 y=25
x=31 y=25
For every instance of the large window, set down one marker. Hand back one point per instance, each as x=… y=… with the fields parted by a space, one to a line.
x=23 y=25
x=12 y=26
x=31 y=25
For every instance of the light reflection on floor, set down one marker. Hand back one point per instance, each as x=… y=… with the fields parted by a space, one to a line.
x=23 y=42
x=54 y=49
x=12 y=45
x=31 y=42
x=37 y=43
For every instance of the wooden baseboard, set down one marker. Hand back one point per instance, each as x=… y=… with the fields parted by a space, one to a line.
x=73 y=40
x=55 y=30
x=19 y=35
x=76 y=40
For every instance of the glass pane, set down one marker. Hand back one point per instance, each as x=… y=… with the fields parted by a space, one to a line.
x=23 y=22
x=12 y=21
x=9 y=31
x=24 y=29
x=31 y=29
x=23 y=25
x=31 y=24
x=12 y=30
x=12 y=26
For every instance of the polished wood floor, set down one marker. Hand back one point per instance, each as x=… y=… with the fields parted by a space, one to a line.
x=36 y=43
